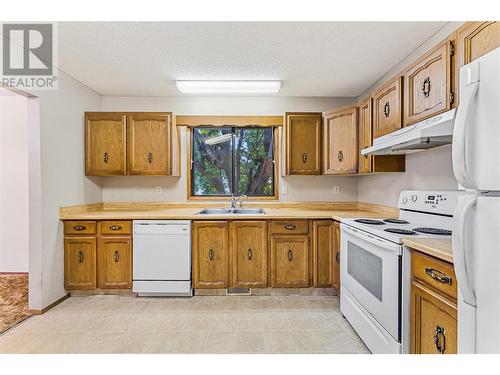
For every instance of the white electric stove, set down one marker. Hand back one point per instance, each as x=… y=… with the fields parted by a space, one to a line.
x=375 y=266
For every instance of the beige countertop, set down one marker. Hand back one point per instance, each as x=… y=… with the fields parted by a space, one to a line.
x=436 y=247
x=188 y=211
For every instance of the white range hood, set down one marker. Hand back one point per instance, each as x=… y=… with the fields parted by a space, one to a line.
x=433 y=132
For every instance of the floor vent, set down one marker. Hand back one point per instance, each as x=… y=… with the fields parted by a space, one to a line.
x=238 y=291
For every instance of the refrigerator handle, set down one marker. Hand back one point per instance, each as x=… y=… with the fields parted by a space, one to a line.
x=459 y=156
x=465 y=203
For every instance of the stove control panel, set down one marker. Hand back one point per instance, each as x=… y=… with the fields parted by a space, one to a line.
x=441 y=202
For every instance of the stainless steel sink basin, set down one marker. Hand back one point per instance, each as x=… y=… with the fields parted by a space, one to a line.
x=231 y=211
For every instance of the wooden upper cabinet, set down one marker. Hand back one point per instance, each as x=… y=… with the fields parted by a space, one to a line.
x=365 y=135
x=115 y=262
x=105 y=144
x=476 y=39
x=323 y=253
x=387 y=108
x=80 y=263
x=148 y=143
x=428 y=85
x=290 y=261
x=302 y=140
x=341 y=141
x=210 y=254
x=249 y=254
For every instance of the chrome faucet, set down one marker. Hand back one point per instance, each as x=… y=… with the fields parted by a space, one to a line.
x=233 y=202
x=241 y=199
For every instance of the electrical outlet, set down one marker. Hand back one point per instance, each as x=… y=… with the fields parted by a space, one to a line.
x=284 y=189
x=336 y=189
x=158 y=190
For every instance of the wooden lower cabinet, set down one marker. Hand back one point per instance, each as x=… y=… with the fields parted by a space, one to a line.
x=80 y=263
x=248 y=254
x=210 y=254
x=323 y=253
x=115 y=262
x=290 y=261
x=336 y=251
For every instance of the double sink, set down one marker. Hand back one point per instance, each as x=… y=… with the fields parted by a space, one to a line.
x=231 y=211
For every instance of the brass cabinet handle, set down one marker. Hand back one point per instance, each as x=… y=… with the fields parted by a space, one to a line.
x=290 y=255
x=340 y=155
x=438 y=276
x=440 y=344
x=290 y=227
x=80 y=256
x=304 y=157
x=116 y=256
x=249 y=254
x=79 y=227
x=115 y=227
x=387 y=109
x=426 y=87
x=337 y=257
x=210 y=254
x=105 y=157
x=150 y=157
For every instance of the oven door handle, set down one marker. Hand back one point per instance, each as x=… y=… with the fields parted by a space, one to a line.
x=382 y=244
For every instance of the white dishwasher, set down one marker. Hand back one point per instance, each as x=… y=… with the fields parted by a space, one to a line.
x=162 y=258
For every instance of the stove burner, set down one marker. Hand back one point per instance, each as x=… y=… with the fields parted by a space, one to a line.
x=369 y=221
x=400 y=231
x=437 y=231
x=396 y=221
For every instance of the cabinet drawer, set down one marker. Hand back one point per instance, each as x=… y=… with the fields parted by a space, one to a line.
x=434 y=272
x=79 y=227
x=116 y=227
x=290 y=227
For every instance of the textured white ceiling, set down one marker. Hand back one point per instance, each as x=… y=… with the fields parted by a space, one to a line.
x=311 y=58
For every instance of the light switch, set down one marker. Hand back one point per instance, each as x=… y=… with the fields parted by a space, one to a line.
x=284 y=189
x=336 y=189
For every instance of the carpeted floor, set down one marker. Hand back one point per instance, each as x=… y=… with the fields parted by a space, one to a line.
x=13 y=300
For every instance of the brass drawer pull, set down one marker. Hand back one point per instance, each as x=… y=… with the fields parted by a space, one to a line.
x=340 y=155
x=426 y=87
x=438 y=276
x=115 y=227
x=79 y=227
x=290 y=227
x=105 y=157
x=387 y=109
x=304 y=157
x=150 y=157
x=116 y=256
x=249 y=254
x=290 y=255
x=440 y=344
x=210 y=254
x=80 y=256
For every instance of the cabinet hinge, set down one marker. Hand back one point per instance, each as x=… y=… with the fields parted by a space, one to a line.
x=452 y=98
x=452 y=49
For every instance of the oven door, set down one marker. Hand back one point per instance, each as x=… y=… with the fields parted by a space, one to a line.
x=370 y=271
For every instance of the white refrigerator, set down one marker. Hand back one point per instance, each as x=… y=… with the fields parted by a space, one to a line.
x=476 y=232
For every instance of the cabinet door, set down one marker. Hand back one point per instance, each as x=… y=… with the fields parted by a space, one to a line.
x=323 y=253
x=289 y=261
x=249 y=254
x=115 y=262
x=387 y=109
x=149 y=140
x=303 y=143
x=80 y=263
x=105 y=143
x=476 y=39
x=210 y=254
x=433 y=322
x=365 y=135
x=427 y=85
x=341 y=141
x=336 y=251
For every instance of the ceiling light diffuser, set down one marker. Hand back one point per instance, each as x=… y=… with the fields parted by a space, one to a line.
x=228 y=87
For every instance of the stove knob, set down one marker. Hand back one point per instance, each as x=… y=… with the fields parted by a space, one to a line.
x=405 y=200
x=413 y=198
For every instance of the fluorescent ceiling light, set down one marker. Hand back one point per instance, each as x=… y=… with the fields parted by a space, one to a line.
x=228 y=87
x=218 y=139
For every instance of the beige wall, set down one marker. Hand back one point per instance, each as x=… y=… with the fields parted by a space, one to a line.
x=426 y=170
x=300 y=188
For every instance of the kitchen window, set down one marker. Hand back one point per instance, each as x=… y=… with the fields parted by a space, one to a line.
x=228 y=160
